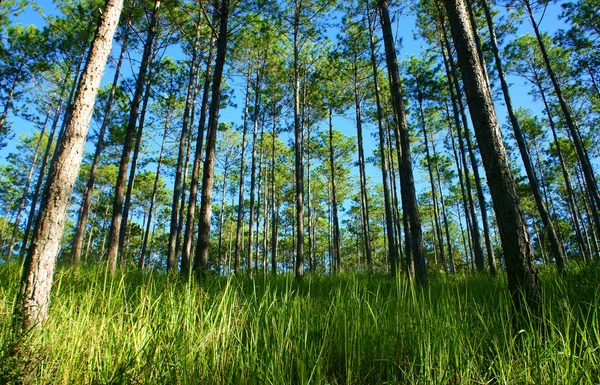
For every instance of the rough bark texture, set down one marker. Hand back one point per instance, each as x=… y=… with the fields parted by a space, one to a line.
x=555 y=245
x=522 y=274
x=38 y=269
x=84 y=210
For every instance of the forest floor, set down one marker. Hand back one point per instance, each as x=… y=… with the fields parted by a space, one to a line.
x=147 y=328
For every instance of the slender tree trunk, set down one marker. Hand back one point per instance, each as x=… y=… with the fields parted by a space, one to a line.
x=33 y=301
x=201 y=258
x=364 y=199
x=222 y=213
x=274 y=207
x=257 y=91
x=410 y=209
x=298 y=149
x=523 y=279
x=172 y=254
x=239 y=235
x=125 y=222
x=436 y=215
x=392 y=250
x=9 y=98
x=154 y=189
x=117 y=214
x=555 y=245
x=445 y=218
x=84 y=210
x=40 y=182
x=336 y=224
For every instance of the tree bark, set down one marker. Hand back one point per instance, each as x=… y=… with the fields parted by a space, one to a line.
x=117 y=214
x=84 y=210
x=555 y=245
x=201 y=258
x=410 y=209
x=36 y=281
x=523 y=279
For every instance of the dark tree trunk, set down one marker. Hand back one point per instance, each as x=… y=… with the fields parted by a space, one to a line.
x=523 y=279
x=117 y=214
x=201 y=258
x=191 y=211
x=410 y=209
x=179 y=185
x=555 y=245
x=337 y=255
x=392 y=250
x=239 y=235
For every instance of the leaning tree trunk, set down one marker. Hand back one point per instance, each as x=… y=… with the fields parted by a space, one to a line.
x=410 y=209
x=117 y=214
x=453 y=86
x=33 y=301
x=84 y=210
x=201 y=258
x=522 y=274
x=555 y=245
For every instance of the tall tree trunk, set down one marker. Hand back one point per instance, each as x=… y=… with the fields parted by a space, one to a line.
x=201 y=258
x=117 y=213
x=84 y=210
x=33 y=301
x=410 y=209
x=555 y=245
x=257 y=91
x=436 y=215
x=565 y=173
x=172 y=254
x=458 y=108
x=125 y=222
x=523 y=279
x=393 y=251
x=298 y=149
x=239 y=235
x=336 y=224
x=444 y=216
x=364 y=199
x=142 y=259
x=40 y=182
x=191 y=208
x=274 y=207
x=221 y=213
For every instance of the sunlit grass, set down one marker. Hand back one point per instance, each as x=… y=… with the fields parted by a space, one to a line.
x=352 y=329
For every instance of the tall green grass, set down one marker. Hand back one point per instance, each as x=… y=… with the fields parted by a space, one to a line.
x=147 y=328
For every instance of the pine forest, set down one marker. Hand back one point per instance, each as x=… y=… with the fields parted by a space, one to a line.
x=299 y=192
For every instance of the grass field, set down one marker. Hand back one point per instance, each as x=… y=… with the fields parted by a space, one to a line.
x=148 y=328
